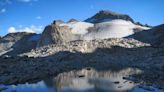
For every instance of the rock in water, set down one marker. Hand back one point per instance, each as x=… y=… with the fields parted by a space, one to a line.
x=54 y=34
x=106 y=15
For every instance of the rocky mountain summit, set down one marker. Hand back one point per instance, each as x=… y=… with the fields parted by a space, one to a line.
x=105 y=42
x=106 y=15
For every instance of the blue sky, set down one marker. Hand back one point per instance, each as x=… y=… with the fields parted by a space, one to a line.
x=34 y=15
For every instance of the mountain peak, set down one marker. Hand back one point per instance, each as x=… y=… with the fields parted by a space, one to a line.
x=106 y=15
x=72 y=20
x=58 y=22
x=108 y=12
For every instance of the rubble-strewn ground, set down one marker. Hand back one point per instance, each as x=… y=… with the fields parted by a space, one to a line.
x=101 y=55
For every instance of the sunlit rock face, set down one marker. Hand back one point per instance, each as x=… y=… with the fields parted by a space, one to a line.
x=54 y=34
x=92 y=80
x=84 y=46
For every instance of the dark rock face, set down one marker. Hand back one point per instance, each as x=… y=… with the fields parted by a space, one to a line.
x=107 y=15
x=19 y=43
x=55 y=34
x=153 y=36
x=58 y=22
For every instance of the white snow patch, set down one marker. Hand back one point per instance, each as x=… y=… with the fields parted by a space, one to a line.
x=117 y=28
x=80 y=28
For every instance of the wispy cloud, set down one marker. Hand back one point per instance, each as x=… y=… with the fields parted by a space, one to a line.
x=5 y=2
x=31 y=29
x=38 y=17
x=3 y=10
x=26 y=1
x=91 y=6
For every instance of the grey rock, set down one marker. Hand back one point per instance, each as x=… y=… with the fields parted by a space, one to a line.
x=105 y=15
x=54 y=34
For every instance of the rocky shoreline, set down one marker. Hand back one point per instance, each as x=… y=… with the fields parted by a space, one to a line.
x=101 y=55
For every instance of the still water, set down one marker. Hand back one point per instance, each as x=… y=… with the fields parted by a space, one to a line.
x=86 y=80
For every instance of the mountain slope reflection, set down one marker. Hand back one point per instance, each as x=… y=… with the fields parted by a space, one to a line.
x=86 y=80
x=89 y=79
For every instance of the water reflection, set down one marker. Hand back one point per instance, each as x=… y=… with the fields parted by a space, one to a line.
x=86 y=80
x=89 y=79
x=37 y=87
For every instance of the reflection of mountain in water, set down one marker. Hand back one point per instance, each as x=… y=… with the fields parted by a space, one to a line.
x=91 y=80
x=85 y=80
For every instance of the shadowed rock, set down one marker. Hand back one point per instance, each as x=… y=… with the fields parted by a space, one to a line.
x=154 y=36
x=14 y=43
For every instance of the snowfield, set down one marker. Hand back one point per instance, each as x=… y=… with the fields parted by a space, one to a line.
x=112 y=29
x=116 y=28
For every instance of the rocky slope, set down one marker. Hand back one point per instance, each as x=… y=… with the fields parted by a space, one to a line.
x=153 y=36
x=84 y=46
x=16 y=43
x=102 y=55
